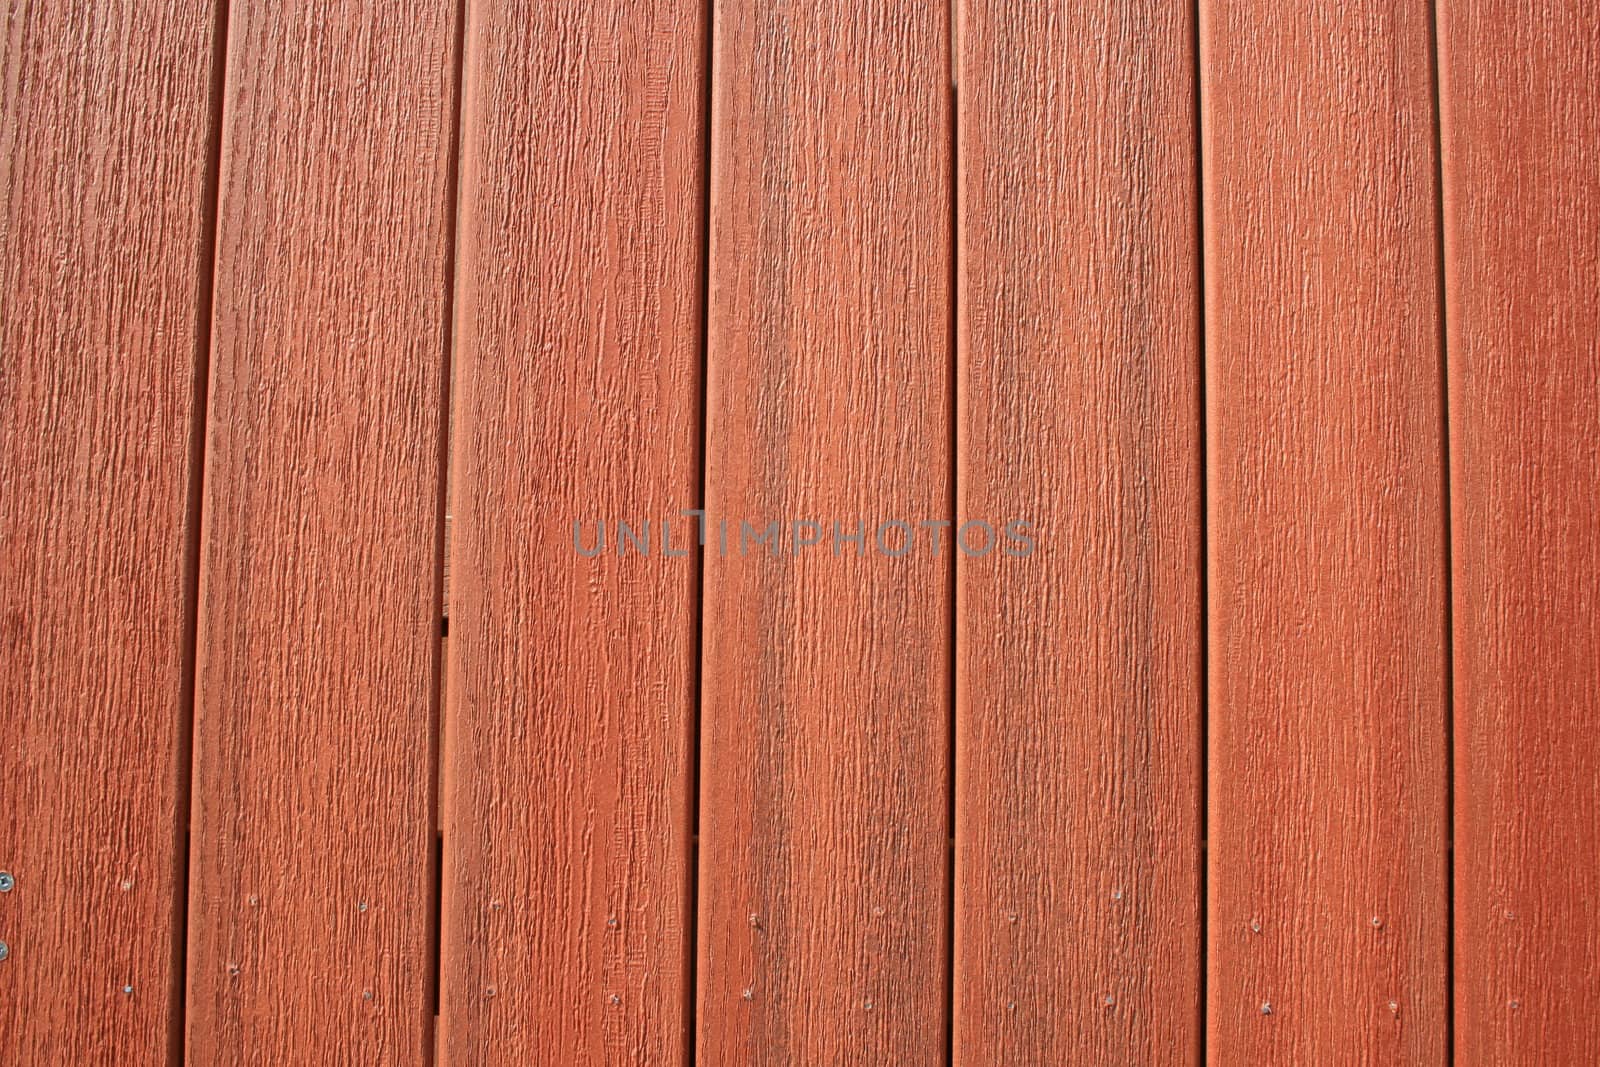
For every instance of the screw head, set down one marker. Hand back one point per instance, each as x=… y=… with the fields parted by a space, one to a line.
x=6 y=882
x=5 y=951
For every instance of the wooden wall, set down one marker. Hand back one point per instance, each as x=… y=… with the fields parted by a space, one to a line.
x=976 y=533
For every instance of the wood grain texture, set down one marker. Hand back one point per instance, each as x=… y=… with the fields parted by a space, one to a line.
x=104 y=134
x=825 y=716
x=1079 y=666
x=313 y=832
x=1328 y=920
x=570 y=716
x=1520 y=108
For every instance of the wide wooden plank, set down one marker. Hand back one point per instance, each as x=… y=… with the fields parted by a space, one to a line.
x=1328 y=918
x=104 y=234
x=313 y=831
x=1520 y=109
x=570 y=714
x=1079 y=665
x=826 y=707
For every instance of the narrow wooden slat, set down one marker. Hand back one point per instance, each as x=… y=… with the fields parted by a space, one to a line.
x=1328 y=920
x=313 y=834
x=1520 y=108
x=1079 y=665
x=104 y=146
x=825 y=717
x=570 y=711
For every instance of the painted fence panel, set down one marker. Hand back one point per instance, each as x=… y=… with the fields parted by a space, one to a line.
x=571 y=713
x=1328 y=908
x=105 y=154
x=824 y=790
x=311 y=917
x=1080 y=678
x=1520 y=96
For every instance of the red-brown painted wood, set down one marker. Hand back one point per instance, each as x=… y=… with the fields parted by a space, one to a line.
x=1079 y=666
x=570 y=714
x=826 y=715
x=104 y=142
x=313 y=834
x=1328 y=922
x=1520 y=108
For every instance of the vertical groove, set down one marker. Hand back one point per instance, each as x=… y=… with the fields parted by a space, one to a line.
x=435 y=945
x=194 y=517
x=1448 y=545
x=1203 y=460
x=435 y=858
x=697 y=668
x=952 y=586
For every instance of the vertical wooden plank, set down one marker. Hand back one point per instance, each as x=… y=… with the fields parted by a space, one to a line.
x=1079 y=665
x=1520 y=100
x=570 y=715
x=103 y=235
x=825 y=717
x=310 y=916
x=1328 y=919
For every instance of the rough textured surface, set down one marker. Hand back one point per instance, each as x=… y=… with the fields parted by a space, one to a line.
x=570 y=716
x=103 y=155
x=313 y=834
x=1520 y=95
x=825 y=680
x=825 y=741
x=1079 y=667
x=1328 y=918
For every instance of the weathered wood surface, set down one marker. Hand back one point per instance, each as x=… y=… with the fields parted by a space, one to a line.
x=1285 y=354
x=825 y=724
x=1520 y=109
x=571 y=712
x=1079 y=667
x=310 y=926
x=105 y=142
x=1328 y=911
